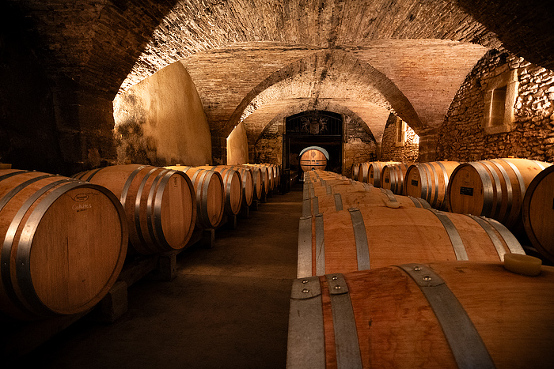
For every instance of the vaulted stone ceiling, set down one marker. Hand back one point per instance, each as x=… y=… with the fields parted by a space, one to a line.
x=253 y=60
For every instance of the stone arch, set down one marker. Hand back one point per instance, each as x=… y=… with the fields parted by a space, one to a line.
x=349 y=76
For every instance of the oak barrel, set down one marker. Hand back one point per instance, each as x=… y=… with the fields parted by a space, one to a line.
x=232 y=184
x=272 y=176
x=64 y=244
x=210 y=195
x=313 y=158
x=363 y=172
x=247 y=179
x=439 y=315
x=375 y=236
x=257 y=181
x=265 y=179
x=538 y=213
x=430 y=181
x=393 y=177
x=375 y=170
x=355 y=170
x=493 y=188
x=335 y=198
x=159 y=204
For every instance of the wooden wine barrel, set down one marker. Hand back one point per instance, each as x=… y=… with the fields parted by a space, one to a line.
x=277 y=174
x=232 y=184
x=375 y=169
x=271 y=174
x=342 y=197
x=320 y=175
x=393 y=177
x=247 y=183
x=538 y=213
x=274 y=174
x=493 y=188
x=355 y=170
x=357 y=238
x=159 y=204
x=435 y=316
x=312 y=159
x=267 y=177
x=363 y=172
x=265 y=180
x=430 y=181
x=257 y=181
x=210 y=195
x=64 y=244
x=312 y=189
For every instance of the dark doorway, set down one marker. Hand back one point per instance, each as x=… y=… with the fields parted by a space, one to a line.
x=313 y=128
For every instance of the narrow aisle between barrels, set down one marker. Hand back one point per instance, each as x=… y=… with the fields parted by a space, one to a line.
x=228 y=306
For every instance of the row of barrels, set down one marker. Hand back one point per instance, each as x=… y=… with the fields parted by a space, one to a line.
x=347 y=226
x=513 y=191
x=379 y=286
x=66 y=239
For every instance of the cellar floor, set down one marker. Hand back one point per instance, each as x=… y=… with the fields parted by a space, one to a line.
x=227 y=308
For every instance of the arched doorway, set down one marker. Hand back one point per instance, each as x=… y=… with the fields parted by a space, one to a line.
x=313 y=128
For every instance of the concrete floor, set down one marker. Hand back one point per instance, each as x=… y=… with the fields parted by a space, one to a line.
x=227 y=308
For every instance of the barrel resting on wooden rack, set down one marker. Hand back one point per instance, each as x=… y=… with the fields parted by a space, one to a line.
x=247 y=178
x=63 y=247
x=232 y=184
x=266 y=181
x=159 y=204
x=439 y=315
x=210 y=195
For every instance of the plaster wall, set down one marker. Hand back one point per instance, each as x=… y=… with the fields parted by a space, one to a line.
x=161 y=121
x=237 y=146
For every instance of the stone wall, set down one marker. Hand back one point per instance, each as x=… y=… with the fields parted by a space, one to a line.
x=408 y=152
x=269 y=147
x=462 y=138
x=358 y=144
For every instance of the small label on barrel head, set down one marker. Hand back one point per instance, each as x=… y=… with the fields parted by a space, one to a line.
x=414 y=182
x=466 y=191
x=80 y=197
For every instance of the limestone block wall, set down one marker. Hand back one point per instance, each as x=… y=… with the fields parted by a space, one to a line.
x=358 y=146
x=406 y=152
x=161 y=121
x=462 y=137
x=269 y=146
